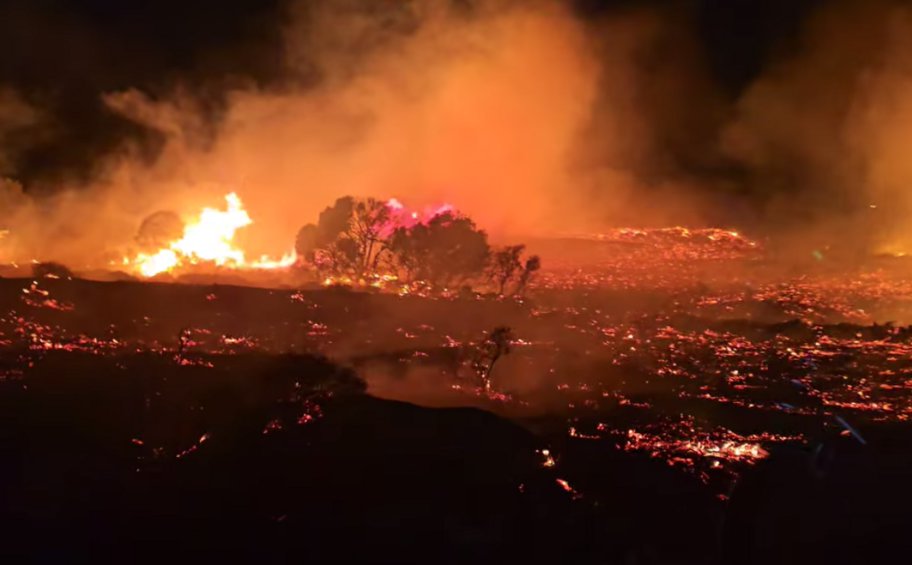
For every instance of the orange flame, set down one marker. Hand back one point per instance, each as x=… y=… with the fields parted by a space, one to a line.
x=209 y=239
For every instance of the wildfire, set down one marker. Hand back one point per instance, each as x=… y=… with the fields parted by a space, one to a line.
x=373 y=280
x=400 y=216
x=209 y=239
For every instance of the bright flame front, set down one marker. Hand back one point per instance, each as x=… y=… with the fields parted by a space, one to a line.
x=209 y=239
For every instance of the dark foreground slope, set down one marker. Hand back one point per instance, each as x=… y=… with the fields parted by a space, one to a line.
x=144 y=458
x=266 y=459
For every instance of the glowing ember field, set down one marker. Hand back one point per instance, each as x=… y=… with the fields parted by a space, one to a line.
x=691 y=351
x=689 y=346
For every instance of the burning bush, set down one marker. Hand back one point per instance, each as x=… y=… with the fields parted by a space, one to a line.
x=375 y=242
x=364 y=242
x=206 y=241
x=370 y=239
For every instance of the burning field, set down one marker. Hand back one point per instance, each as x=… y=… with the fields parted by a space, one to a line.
x=680 y=360
x=412 y=281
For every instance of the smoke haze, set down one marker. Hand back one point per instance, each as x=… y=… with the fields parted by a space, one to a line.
x=822 y=130
x=532 y=117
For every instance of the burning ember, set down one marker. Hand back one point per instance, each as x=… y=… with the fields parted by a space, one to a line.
x=209 y=239
x=400 y=216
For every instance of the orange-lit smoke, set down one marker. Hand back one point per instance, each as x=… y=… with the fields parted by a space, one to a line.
x=487 y=108
x=825 y=131
x=481 y=112
x=523 y=116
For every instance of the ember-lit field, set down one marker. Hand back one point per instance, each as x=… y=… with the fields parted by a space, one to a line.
x=456 y=281
x=650 y=377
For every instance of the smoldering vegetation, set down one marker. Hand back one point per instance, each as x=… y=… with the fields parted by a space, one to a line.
x=273 y=422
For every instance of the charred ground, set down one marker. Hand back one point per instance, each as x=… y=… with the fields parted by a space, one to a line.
x=719 y=407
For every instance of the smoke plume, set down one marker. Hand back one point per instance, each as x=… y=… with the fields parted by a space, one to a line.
x=821 y=132
x=526 y=115
x=519 y=113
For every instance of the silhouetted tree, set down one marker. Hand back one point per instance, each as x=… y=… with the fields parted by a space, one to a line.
x=360 y=237
x=533 y=264
x=495 y=345
x=342 y=255
x=335 y=220
x=505 y=264
x=447 y=250
x=368 y=227
x=317 y=243
x=348 y=237
x=409 y=248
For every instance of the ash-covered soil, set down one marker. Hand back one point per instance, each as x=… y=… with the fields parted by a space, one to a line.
x=727 y=413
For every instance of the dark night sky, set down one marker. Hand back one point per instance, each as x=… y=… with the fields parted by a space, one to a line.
x=62 y=55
